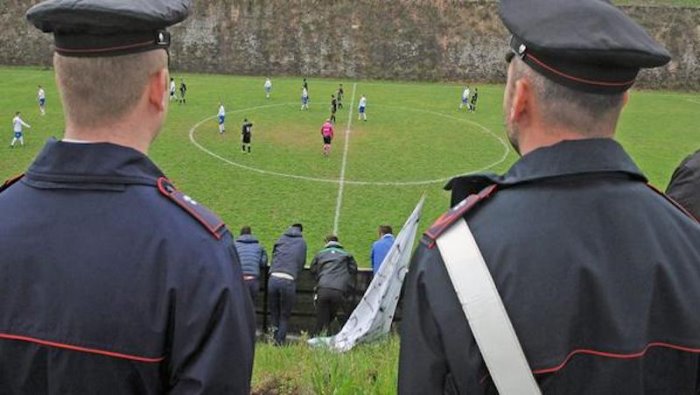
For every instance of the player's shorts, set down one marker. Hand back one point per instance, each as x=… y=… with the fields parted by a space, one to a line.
x=327 y=139
x=172 y=93
x=182 y=93
x=221 y=119
x=18 y=135
x=362 y=110
x=42 y=102
x=465 y=100
x=304 y=100
x=246 y=138
x=268 y=89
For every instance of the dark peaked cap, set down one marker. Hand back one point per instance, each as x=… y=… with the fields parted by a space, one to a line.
x=108 y=27
x=588 y=45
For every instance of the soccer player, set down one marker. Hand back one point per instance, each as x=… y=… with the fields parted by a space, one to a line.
x=222 y=117
x=340 y=95
x=327 y=133
x=183 y=90
x=472 y=105
x=304 y=98
x=172 y=89
x=246 y=132
x=465 y=98
x=361 y=114
x=334 y=108
x=268 y=88
x=41 y=97
x=17 y=124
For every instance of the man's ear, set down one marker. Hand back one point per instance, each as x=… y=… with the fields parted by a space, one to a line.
x=522 y=100
x=625 y=98
x=157 y=90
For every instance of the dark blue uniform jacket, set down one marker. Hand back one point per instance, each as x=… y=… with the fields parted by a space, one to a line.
x=599 y=274
x=108 y=286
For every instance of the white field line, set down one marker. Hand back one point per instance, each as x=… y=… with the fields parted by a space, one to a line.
x=341 y=181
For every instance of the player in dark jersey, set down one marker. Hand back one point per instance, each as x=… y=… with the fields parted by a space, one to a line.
x=340 y=95
x=246 y=133
x=183 y=90
x=475 y=96
x=334 y=108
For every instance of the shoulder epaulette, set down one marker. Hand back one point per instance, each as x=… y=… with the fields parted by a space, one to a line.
x=203 y=215
x=446 y=220
x=11 y=181
x=673 y=202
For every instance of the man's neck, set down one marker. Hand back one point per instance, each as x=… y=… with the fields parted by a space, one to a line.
x=122 y=134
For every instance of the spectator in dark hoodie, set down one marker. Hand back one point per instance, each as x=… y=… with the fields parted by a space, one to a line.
x=288 y=259
x=334 y=269
x=253 y=259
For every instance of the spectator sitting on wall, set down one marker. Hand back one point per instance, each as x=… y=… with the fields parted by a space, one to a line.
x=253 y=259
x=381 y=247
x=288 y=259
x=334 y=269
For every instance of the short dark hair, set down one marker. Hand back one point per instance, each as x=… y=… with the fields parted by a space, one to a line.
x=571 y=108
x=298 y=225
x=386 y=230
x=331 y=238
x=246 y=230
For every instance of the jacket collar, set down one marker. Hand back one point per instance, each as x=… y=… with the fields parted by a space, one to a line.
x=567 y=158
x=101 y=163
x=333 y=244
x=247 y=239
x=572 y=157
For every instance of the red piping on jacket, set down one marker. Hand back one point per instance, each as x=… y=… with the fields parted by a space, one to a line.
x=615 y=355
x=81 y=349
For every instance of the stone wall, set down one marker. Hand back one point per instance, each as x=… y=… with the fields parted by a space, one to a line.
x=362 y=39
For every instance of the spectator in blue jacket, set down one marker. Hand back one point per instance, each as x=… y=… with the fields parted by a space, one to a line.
x=288 y=259
x=253 y=259
x=381 y=247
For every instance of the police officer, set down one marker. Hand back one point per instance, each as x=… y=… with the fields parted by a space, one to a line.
x=113 y=281
x=684 y=186
x=599 y=274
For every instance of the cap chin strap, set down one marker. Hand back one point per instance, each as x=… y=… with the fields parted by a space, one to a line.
x=483 y=307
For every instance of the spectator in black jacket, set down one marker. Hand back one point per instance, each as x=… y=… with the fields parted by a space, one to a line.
x=288 y=259
x=685 y=184
x=334 y=269
x=253 y=259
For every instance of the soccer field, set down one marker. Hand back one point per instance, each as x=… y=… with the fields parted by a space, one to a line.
x=415 y=139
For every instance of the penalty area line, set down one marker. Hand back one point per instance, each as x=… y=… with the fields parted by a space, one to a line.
x=341 y=180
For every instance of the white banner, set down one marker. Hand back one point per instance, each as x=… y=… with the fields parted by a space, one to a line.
x=372 y=317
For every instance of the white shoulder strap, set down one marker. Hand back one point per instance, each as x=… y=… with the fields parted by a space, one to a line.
x=485 y=312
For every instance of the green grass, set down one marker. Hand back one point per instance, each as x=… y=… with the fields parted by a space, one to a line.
x=414 y=133
x=299 y=369
x=675 y=3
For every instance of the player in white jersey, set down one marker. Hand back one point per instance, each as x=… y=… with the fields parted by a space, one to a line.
x=17 y=124
x=465 y=98
x=222 y=116
x=304 y=99
x=41 y=97
x=173 y=90
x=268 y=88
x=361 y=108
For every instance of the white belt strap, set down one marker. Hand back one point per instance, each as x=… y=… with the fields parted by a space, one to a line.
x=483 y=307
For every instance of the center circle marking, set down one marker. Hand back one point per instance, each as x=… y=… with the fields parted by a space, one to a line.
x=482 y=128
